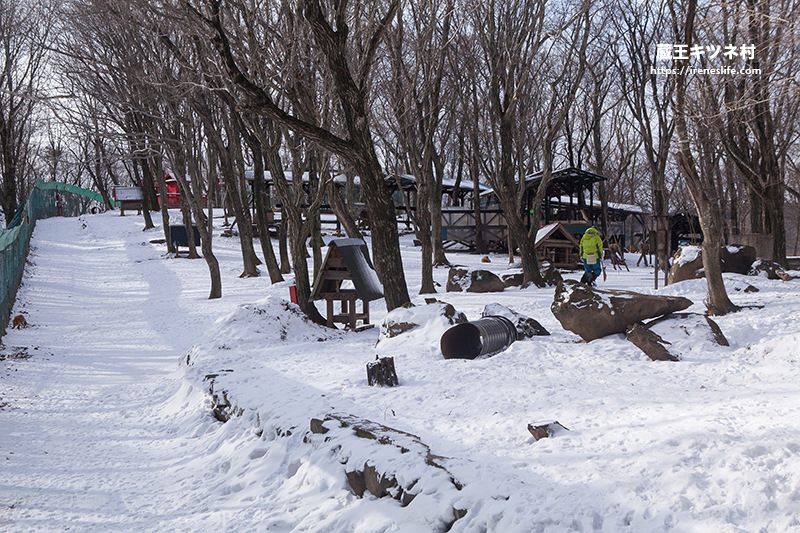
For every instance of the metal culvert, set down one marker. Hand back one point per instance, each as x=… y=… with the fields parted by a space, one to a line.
x=487 y=336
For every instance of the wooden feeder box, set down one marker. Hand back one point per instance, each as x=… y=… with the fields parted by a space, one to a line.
x=347 y=260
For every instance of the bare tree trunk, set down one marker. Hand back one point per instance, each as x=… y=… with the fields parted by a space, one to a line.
x=439 y=257
x=261 y=216
x=262 y=210
x=701 y=190
x=192 y=205
x=283 y=243
x=343 y=214
x=226 y=153
x=291 y=219
x=162 y=191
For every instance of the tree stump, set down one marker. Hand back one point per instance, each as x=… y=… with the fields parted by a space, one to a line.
x=381 y=372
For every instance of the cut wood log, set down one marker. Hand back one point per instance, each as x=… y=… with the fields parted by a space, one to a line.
x=381 y=372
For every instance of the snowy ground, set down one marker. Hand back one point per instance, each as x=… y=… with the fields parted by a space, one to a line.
x=105 y=427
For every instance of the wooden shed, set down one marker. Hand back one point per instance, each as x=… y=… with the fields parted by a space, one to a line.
x=347 y=275
x=554 y=243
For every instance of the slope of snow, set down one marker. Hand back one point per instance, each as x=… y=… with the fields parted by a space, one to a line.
x=108 y=425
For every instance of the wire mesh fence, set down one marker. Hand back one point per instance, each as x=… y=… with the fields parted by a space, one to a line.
x=47 y=199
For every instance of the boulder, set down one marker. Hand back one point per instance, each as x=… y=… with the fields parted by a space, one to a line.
x=768 y=269
x=737 y=258
x=404 y=319
x=687 y=263
x=526 y=326
x=593 y=313
x=512 y=280
x=689 y=335
x=460 y=279
x=650 y=343
x=551 y=275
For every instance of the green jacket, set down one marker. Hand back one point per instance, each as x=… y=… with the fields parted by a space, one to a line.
x=591 y=243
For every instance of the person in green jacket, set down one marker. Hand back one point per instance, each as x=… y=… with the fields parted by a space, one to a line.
x=591 y=250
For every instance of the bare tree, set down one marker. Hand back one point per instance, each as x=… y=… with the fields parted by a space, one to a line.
x=699 y=180
x=753 y=136
x=649 y=98
x=349 y=66
x=26 y=30
x=513 y=38
x=417 y=71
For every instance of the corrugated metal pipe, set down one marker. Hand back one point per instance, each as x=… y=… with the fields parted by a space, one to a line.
x=487 y=336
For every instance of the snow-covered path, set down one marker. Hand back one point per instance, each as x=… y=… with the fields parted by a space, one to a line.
x=97 y=433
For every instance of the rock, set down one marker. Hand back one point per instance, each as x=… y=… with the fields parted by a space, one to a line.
x=716 y=331
x=450 y=313
x=737 y=258
x=770 y=269
x=512 y=280
x=456 y=278
x=407 y=469
x=650 y=343
x=594 y=313
x=460 y=279
x=357 y=482
x=377 y=484
x=690 y=335
x=551 y=275
x=405 y=319
x=687 y=263
x=397 y=328
x=318 y=427
x=526 y=326
x=543 y=430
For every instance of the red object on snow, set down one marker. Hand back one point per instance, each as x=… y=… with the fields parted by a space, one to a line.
x=293 y=293
x=173 y=192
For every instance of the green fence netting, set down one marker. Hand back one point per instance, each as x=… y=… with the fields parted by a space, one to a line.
x=47 y=199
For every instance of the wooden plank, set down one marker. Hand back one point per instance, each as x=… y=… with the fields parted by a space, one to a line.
x=336 y=274
x=346 y=294
x=344 y=318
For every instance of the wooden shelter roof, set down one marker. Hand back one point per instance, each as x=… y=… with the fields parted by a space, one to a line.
x=347 y=259
x=566 y=177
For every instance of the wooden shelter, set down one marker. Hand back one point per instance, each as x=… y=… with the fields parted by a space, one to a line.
x=347 y=275
x=569 y=198
x=570 y=202
x=557 y=245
